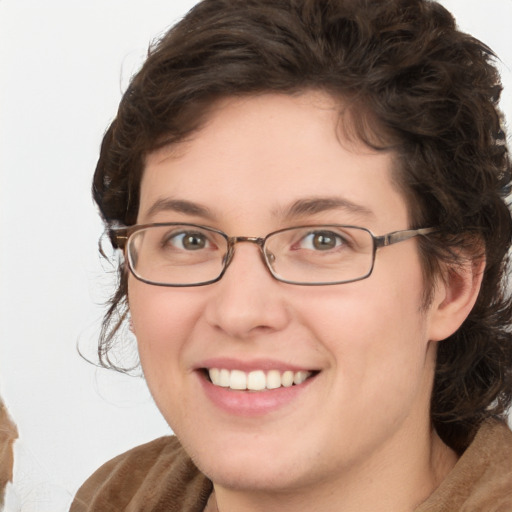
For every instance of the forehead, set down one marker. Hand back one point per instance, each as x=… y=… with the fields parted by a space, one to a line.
x=264 y=154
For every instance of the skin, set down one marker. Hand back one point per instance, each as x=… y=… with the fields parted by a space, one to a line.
x=358 y=436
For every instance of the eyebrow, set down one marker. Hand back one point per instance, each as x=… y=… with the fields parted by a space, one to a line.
x=301 y=207
x=180 y=206
x=311 y=206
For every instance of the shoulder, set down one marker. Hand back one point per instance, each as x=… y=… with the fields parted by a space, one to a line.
x=482 y=478
x=154 y=476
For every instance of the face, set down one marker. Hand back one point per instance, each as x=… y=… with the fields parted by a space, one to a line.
x=363 y=346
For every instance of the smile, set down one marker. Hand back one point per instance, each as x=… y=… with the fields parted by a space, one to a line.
x=257 y=380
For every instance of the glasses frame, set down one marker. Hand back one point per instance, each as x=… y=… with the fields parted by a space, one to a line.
x=120 y=237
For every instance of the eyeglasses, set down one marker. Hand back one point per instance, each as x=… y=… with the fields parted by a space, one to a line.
x=172 y=254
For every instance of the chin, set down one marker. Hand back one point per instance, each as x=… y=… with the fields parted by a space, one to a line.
x=260 y=468
x=256 y=478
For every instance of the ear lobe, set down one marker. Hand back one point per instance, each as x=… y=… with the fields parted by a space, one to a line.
x=455 y=295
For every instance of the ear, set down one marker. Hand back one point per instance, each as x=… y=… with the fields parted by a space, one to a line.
x=455 y=295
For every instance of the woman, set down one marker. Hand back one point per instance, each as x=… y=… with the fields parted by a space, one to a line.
x=310 y=198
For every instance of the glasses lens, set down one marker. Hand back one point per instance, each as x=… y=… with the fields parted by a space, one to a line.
x=320 y=254
x=178 y=254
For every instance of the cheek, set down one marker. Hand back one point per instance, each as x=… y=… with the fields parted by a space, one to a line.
x=162 y=319
x=364 y=316
x=379 y=355
x=374 y=330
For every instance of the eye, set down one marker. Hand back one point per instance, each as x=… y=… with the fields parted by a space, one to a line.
x=321 y=241
x=188 y=241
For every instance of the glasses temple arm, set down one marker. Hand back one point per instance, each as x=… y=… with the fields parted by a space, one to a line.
x=401 y=236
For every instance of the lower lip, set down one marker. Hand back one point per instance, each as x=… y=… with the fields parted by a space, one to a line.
x=252 y=403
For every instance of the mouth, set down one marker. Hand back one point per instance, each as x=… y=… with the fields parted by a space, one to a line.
x=256 y=380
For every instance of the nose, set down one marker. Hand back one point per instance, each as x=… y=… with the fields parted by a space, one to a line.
x=247 y=300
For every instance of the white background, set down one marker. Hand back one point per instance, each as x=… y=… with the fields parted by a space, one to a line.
x=63 y=67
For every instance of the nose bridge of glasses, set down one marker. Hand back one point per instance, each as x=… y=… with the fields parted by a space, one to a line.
x=251 y=239
x=232 y=241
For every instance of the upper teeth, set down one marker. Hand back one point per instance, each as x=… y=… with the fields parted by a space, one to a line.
x=256 y=380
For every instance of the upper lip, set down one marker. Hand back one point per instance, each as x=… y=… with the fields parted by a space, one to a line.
x=250 y=365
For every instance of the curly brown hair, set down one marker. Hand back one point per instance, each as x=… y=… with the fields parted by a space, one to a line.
x=413 y=82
